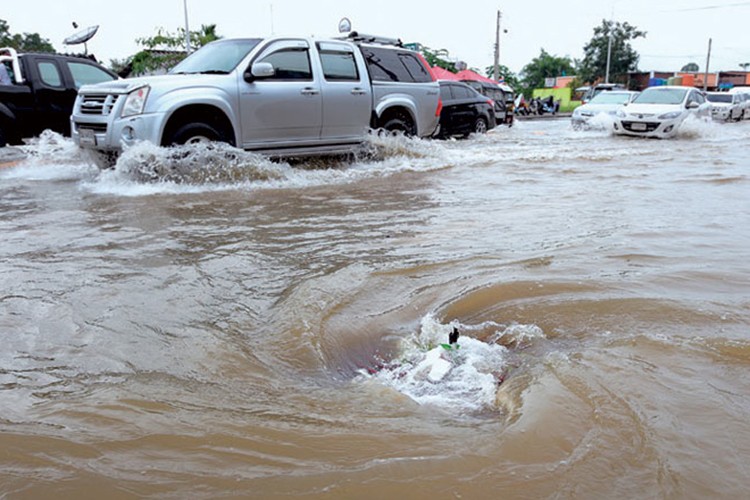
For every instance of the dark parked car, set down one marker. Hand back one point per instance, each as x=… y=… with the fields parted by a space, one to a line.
x=503 y=97
x=465 y=111
x=37 y=92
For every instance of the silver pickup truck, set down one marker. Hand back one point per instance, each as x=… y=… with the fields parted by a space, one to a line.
x=279 y=96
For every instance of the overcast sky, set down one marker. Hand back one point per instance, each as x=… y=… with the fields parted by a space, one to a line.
x=678 y=30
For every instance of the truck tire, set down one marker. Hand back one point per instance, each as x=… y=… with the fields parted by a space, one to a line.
x=400 y=123
x=193 y=133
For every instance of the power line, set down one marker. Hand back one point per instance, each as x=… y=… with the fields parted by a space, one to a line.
x=710 y=7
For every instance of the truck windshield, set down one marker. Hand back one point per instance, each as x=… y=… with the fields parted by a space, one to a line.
x=220 y=57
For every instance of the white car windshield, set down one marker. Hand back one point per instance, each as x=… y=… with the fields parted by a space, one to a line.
x=719 y=97
x=218 y=57
x=656 y=95
x=610 y=98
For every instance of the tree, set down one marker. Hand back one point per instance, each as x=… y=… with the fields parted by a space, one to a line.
x=691 y=67
x=438 y=58
x=745 y=65
x=623 y=57
x=28 y=42
x=541 y=67
x=511 y=79
x=163 y=50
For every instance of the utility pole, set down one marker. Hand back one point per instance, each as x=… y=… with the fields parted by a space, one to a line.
x=708 y=60
x=609 y=50
x=496 y=67
x=187 y=29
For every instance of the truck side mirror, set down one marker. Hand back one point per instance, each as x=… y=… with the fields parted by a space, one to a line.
x=259 y=70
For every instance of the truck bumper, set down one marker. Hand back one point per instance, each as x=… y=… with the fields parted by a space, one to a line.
x=119 y=134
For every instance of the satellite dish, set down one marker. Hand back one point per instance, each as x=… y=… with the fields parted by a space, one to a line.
x=82 y=36
x=345 y=25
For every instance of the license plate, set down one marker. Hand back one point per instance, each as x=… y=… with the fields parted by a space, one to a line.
x=86 y=137
x=638 y=126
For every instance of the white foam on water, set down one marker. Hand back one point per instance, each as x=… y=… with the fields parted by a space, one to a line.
x=146 y=169
x=51 y=157
x=602 y=122
x=701 y=128
x=462 y=379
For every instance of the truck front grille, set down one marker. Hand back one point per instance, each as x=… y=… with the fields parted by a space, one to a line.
x=100 y=128
x=98 y=104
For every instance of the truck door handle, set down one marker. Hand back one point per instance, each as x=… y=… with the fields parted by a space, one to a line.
x=358 y=91
x=309 y=91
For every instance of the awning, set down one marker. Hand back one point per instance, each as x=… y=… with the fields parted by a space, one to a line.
x=468 y=74
x=443 y=74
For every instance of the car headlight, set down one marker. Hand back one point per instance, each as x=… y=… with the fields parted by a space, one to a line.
x=135 y=102
x=621 y=114
x=670 y=116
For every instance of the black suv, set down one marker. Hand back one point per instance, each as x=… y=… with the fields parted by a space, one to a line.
x=465 y=111
x=40 y=92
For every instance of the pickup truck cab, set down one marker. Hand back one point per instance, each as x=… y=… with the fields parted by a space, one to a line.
x=279 y=96
x=40 y=91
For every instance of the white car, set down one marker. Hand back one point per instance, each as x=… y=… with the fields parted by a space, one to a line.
x=725 y=106
x=604 y=102
x=659 y=111
x=744 y=93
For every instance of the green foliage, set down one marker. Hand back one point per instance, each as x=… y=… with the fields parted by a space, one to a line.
x=511 y=79
x=438 y=58
x=543 y=66
x=692 y=67
x=27 y=42
x=164 y=50
x=623 y=58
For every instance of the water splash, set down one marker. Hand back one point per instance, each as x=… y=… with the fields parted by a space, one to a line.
x=148 y=169
x=602 y=122
x=211 y=163
x=462 y=378
x=51 y=157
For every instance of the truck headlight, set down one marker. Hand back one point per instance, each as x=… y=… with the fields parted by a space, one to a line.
x=135 y=102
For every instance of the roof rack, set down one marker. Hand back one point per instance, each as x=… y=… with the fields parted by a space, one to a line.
x=363 y=38
x=9 y=54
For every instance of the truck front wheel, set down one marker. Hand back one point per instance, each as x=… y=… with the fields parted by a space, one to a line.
x=194 y=133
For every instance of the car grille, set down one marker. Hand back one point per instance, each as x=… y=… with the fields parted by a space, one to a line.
x=99 y=128
x=650 y=126
x=98 y=104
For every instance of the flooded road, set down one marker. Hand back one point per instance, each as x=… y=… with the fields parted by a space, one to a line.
x=206 y=323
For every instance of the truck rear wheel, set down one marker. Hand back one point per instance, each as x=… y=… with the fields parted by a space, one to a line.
x=194 y=133
x=400 y=123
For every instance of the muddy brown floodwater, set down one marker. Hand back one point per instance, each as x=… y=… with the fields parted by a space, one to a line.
x=204 y=323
